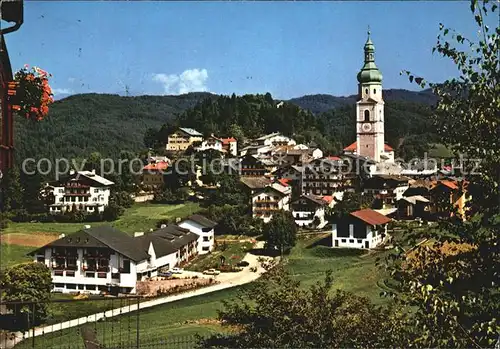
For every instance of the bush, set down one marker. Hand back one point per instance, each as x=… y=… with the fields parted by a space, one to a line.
x=112 y=212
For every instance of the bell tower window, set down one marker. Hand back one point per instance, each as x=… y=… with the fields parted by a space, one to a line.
x=367 y=115
x=374 y=91
x=366 y=91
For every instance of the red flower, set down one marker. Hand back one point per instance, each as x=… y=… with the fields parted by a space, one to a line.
x=36 y=93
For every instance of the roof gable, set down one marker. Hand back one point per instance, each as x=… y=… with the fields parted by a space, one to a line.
x=371 y=217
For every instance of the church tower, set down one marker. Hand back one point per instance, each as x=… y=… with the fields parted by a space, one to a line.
x=370 y=108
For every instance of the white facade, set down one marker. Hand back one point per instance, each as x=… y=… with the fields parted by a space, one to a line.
x=210 y=143
x=347 y=239
x=306 y=218
x=89 y=192
x=92 y=281
x=206 y=235
x=275 y=139
x=272 y=198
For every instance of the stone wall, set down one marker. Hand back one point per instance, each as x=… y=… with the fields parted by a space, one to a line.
x=157 y=287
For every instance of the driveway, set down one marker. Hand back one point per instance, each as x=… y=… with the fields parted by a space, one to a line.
x=227 y=280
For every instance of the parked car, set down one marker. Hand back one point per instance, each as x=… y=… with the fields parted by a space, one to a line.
x=177 y=270
x=165 y=274
x=243 y=264
x=211 y=272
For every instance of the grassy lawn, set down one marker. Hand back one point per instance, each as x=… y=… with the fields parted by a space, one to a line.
x=352 y=271
x=233 y=252
x=13 y=254
x=140 y=217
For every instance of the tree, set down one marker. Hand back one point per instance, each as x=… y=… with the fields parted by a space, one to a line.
x=32 y=185
x=151 y=138
x=281 y=232
x=350 y=202
x=28 y=282
x=12 y=191
x=452 y=285
x=277 y=313
x=122 y=198
x=112 y=212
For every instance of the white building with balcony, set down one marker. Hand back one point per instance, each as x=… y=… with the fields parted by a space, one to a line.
x=204 y=228
x=272 y=198
x=105 y=260
x=309 y=211
x=80 y=191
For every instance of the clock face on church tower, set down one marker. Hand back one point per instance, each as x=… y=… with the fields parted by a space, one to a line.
x=366 y=127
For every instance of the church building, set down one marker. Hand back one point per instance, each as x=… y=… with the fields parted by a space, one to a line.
x=370 y=112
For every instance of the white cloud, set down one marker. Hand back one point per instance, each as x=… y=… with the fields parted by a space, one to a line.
x=191 y=80
x=61 y=91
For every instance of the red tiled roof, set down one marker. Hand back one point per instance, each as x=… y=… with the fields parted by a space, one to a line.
x=371 y=217
x=353 y=146
x=228 y=140
x=284 y=181
x=449 y=184
x=334 y=158
x=328 y=199
x=159 y=166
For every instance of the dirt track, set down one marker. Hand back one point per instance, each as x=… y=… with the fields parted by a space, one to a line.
x=33 y=239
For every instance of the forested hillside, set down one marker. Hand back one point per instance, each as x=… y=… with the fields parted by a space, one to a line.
x=108 y=124
x=81 y=124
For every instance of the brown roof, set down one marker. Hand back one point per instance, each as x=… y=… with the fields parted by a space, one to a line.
x=353 y=146
x=255 y=182
x=371 y=217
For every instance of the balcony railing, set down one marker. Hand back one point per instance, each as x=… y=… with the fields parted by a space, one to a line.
x=271 y=201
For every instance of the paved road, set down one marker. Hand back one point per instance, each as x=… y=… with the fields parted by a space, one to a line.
x=227 y=280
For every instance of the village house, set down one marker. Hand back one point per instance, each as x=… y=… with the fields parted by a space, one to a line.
x=272 y=198
x=211 y=142
x=204 y=228
x=361 y=229
x=274 y=139
x=291 y=155
x=388 y=189
x=153 y=174
x=309 y=211
x=182 y=139
x=230 y=145
x=448 y=195
x=254 y=184
x=104 y=259
x=256 y=150
x=80 y=191
x=324 y=176
x=253 y=167
x=412 y=207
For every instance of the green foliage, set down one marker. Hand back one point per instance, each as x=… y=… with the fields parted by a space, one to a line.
x=12 y=192
x=122 y=198
x=112 y=212
x=452 y=285
x=277 y=313
x=29 y=282
x=281 y=232
x=109 y=124
x=350 y=202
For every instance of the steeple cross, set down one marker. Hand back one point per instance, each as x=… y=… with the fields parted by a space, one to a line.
x=369 y=32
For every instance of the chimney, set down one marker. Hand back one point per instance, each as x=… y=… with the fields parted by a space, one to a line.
x=93 y=171
x=71 y=172
x=177 y=220
x=86 y=226
x=61 y=236
x=138 y=233
x=151 y=229
x=163 y=226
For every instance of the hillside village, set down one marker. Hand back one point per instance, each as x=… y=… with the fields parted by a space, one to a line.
x=224 y=221
x=277 y=174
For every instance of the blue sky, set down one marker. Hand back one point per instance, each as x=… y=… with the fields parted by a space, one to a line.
x=287 y=48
